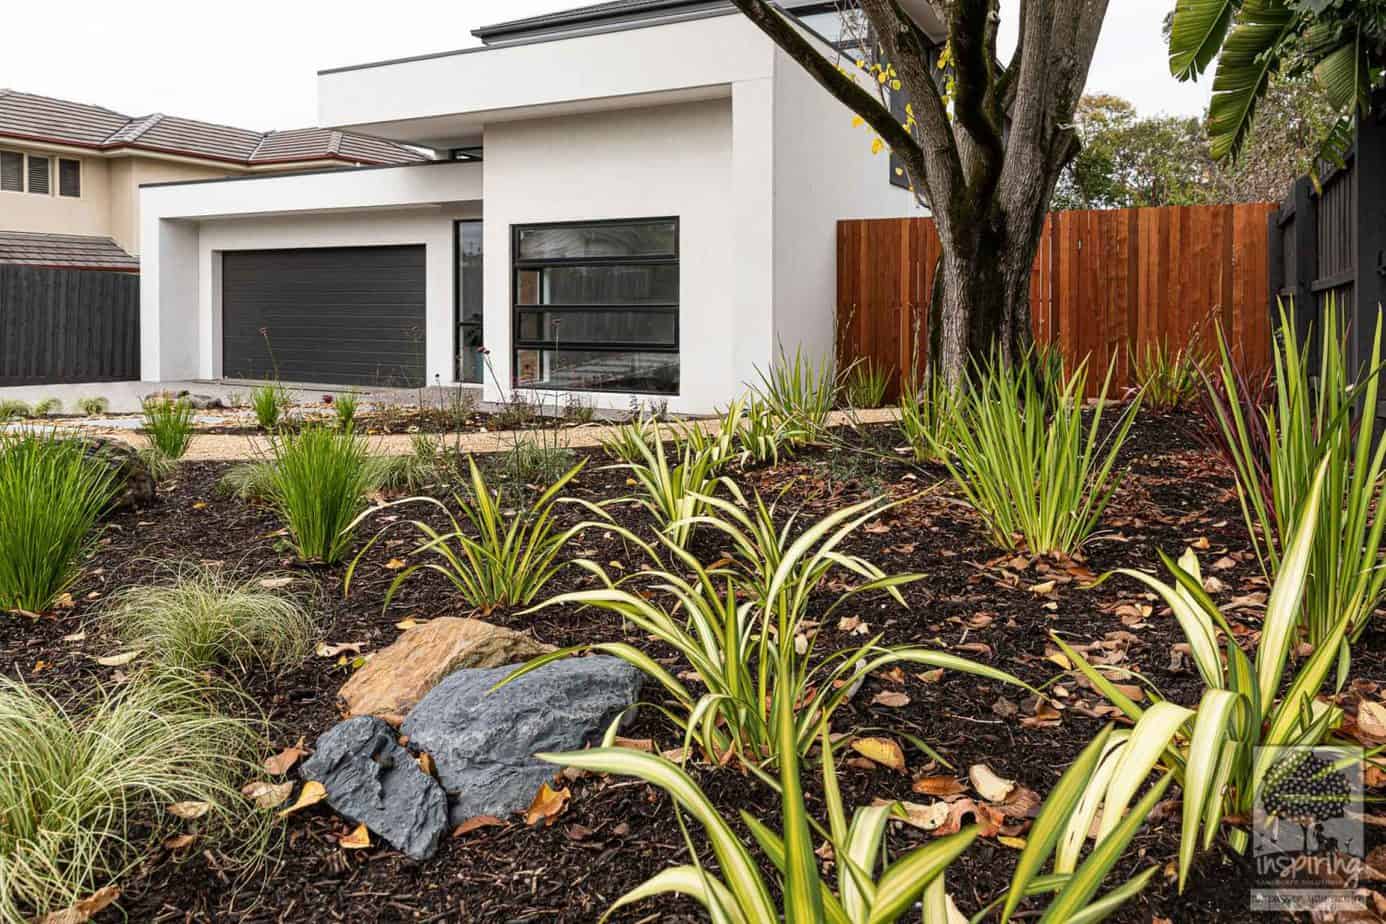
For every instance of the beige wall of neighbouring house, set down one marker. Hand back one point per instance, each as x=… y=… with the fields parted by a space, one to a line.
x=129 y=173
x=109 y=205
x=54 y=214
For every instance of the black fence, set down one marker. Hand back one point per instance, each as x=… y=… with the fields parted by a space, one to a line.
x=1330 y=242
x=61 y=325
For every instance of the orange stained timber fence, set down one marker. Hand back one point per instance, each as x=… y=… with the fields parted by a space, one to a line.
x=1105 y=284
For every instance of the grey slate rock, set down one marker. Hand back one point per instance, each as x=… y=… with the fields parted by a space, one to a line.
x=371 y=780
x=483 y=746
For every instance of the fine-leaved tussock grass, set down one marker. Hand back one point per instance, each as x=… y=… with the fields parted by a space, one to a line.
x=88 y=788
x=51 y=498
x=168 y=424
x=319 y=480
x=196 y=617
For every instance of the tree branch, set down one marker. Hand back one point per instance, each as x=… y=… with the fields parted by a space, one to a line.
x=846 y=90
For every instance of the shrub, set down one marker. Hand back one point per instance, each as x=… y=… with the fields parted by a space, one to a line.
x=512 y=557
x=738 y=891
x=46 y=406
x=578 y=409
x=51 y=497
x=199 y=617
x=535 y=459
x=1168 y=378
x=269 y=402
x=14 y=410
x=248 y=480
x=410 y=471
x=345 y=405
x=864 y=385
x=93 y=406
x=929 y=417
x=1276 y=450
x=87 y=791
x=318 y=483
x=800 y=392
x=1221 y=750
x=741 y=626
x=674 y=495
x=628 y=442
x=168 y=423
x=1039 y=476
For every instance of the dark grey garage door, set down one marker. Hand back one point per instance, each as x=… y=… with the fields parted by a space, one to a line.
x=339 y=316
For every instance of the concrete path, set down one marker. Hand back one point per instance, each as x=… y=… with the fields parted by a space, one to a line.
x=225 y=448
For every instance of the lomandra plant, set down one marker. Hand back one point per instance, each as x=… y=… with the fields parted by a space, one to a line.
x=508 y=561
x=90 y=788
x=928 y=417
x=674 y=493
x=1169 y=378
x=168 y=424
x=197 y=617
x=52 y=495
x=741 y=630
x=864 y=384
x=873 y=885
x=1314 y=418
x=319 y=479
x=800 y=391
x=1250 y=710
x=1026 y=462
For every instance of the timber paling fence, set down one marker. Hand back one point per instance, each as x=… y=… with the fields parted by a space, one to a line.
x=1105 y=284
x=64 y=325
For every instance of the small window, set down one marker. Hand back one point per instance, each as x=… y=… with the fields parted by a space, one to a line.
x=40 y=175
x=11 y=171
x=70 y=178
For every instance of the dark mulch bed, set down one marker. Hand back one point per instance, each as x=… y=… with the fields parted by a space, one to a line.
x=616 y=833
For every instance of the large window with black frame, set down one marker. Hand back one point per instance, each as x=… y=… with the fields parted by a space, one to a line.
x=597 y=306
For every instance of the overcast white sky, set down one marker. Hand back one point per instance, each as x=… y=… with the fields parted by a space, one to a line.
x=252 y=64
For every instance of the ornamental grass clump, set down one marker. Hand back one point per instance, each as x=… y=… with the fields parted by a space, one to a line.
x=269 y=402
x=873 y=885
x=52 y=495
x=928 y=417
x=168 y=425
x=801 y=392
x=319 y=480
x=1026 y=462
x=864 y=385
x=1251 y=709
x=675 y=494
x=198 y=617
x=740 y=627
x=1168 y=378
x=90 y=789
x=1311 y=418
x=500 y=557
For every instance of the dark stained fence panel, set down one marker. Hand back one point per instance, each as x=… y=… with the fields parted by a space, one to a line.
x=335 y=316
x=61 y=325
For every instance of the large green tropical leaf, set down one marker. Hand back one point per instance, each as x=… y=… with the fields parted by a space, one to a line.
x=1196 y=34
x=1250 y=57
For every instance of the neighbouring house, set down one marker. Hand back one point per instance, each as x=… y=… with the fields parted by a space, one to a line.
x=70 y=172
x=636 y=201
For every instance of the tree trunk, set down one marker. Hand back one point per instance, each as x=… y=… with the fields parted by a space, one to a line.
x=983 y=304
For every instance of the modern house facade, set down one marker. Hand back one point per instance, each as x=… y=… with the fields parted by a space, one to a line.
x=633 y=201
x=70 y=172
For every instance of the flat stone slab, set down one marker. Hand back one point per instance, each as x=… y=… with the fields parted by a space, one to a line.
x=394 y=680
x=483 y=744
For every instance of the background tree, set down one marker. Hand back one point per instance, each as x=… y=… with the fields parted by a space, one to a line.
x=987 y=164
x=1341 y=43
x=1128 y=161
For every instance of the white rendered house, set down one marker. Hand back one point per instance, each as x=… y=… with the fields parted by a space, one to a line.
x=636 y=199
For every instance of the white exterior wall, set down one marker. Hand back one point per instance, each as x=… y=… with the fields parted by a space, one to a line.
x=180 y=286
x=672 y=161
x=824 y=172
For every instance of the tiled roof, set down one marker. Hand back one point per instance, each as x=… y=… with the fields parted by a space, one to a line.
x=43 y=118
x=72 y=251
